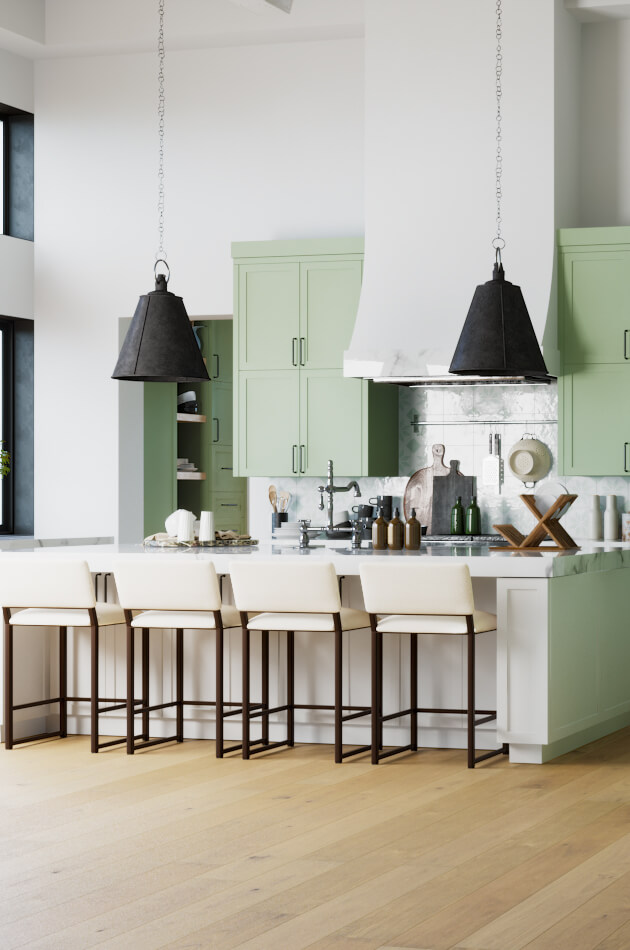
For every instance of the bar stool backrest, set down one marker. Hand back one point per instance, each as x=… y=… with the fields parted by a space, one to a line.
x=152 y=582
x=288 y=587
x=417 y=589
x=30 y=581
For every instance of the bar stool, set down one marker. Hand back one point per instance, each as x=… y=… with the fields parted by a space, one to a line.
x=292 y=596
x=415 y=599
x=174 y=594
x=53 y=592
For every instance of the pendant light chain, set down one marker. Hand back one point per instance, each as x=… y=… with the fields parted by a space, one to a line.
x=161 y=254
x=498 y=242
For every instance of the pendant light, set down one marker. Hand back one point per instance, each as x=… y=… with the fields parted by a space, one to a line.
x=498 y=338
x=160 y=345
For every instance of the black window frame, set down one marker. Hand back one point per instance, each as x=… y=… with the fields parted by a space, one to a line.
x=7 y=329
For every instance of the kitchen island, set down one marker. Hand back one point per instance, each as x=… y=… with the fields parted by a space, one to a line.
x=555 y=668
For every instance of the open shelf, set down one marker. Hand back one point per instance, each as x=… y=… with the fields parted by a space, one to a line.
x=191 y=476
x=190 y=417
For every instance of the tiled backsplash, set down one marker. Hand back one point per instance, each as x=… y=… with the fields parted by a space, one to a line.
x=461 y=418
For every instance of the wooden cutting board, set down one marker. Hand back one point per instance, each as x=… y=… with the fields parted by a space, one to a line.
x=419 y=490
x=445 y=493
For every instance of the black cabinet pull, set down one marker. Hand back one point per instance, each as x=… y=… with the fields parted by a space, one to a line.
x=302 y=350
x=294 y=463
x=294 y=351
x=302 y=454
x=227 y=468
x=626 y=333
x=229 y=504
x=214 y=419
x=215 y=375
x=625 y=456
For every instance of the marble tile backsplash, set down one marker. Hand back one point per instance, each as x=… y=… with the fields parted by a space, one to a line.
x=461 y=418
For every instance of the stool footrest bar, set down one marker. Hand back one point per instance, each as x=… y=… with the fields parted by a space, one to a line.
x=149 y=742
x=110 y=742
x=357 y=715
x=39 y=735
x=264 y=748
x=266 y=712
x=357 y=751
x=39 y=702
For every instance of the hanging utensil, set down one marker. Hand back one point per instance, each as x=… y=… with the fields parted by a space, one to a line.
x=273 y=497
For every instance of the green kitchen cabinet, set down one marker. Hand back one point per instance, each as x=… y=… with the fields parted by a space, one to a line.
x=291 y=424
x=295 y=308
x=594 y=337
x=595 y=428
x=205 y=438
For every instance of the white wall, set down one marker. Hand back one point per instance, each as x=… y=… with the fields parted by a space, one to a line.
x=262 y=142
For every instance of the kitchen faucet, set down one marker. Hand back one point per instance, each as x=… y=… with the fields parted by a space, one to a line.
x=331 y=488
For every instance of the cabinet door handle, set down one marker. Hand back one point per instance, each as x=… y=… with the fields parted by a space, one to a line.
x=302 y=349
x=294 y=464
x=229 y=504
x=227 y=468
x=215 y=375
x=626 y=333
x=302 y=454
x=294 y=351
x=214 y=419
x=625 y=456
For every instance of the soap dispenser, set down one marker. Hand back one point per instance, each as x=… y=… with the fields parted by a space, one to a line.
x=395 y=532
x=413 y=532
x=379 y=532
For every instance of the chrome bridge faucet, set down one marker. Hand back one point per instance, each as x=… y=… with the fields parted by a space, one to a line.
x=331 y=488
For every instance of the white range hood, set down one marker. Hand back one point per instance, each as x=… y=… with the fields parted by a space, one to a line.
x=429 y=175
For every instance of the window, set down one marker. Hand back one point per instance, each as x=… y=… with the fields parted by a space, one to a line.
x=6 y=421
x=16 y=173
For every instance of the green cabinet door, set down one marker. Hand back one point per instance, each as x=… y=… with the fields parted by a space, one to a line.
x=332 y=423
x=221 y=414
x=268 y=316
x=160 y=452
x=595 y=306
x=268 y=423
x=219 y=359
x=329 y=299
x=595 y=422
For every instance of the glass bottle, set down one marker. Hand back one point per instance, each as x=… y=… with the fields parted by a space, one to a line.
x=395 y=532
x=457 y=517
x=379 y=532
x=413 y=532
x=473 y=517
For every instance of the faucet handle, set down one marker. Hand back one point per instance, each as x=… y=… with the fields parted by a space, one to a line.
x=304 y=524
x=321 y=499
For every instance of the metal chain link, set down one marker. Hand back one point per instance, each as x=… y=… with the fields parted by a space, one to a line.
x=498 y=243
x=161 y=254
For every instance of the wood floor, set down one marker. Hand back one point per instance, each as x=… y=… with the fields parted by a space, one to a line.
x=174 y=849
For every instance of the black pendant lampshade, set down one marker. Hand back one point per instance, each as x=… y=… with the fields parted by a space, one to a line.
x=160 y=346
x=498 y=338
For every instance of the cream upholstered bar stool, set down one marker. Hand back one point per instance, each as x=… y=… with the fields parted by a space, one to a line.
x=290 y=597
x=415 y=599
x=176 y=593
x=53 y=592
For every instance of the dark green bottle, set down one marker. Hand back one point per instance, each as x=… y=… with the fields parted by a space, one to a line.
x=473 y=517
x=457 y=517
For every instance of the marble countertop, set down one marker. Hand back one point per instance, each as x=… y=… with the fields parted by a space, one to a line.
x=483 y=562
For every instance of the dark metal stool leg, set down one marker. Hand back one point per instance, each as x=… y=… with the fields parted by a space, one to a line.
x=246 y=637
x=413 y=691
x=8 y=680
x=145 y=682
x=290 y=688
x=379 y=647
x=265 y=686
x=94 y=685
x=130 y=690
x=63 y=682
x=179 y=687
x=376 y=676
x=338 y=688
x=471 y=691
x=219 y=635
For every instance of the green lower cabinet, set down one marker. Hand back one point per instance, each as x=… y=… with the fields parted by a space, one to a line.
x=594 y=420
x=292 y=423
x=230 y=511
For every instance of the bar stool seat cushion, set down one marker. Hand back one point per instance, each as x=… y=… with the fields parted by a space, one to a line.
x=434 y=623
x=350 y=620
x=107 y=614
x=186 y=619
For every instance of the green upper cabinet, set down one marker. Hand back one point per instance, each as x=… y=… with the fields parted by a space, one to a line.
x=329 y=299
x=219 y=360
x=594 y=333
x=595 y=319
x=294 y=313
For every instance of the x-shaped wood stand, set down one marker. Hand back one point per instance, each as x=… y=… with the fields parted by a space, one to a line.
x=547 y=525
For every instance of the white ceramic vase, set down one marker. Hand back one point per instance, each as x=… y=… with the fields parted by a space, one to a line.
x=611 y=519
x=596 y=529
